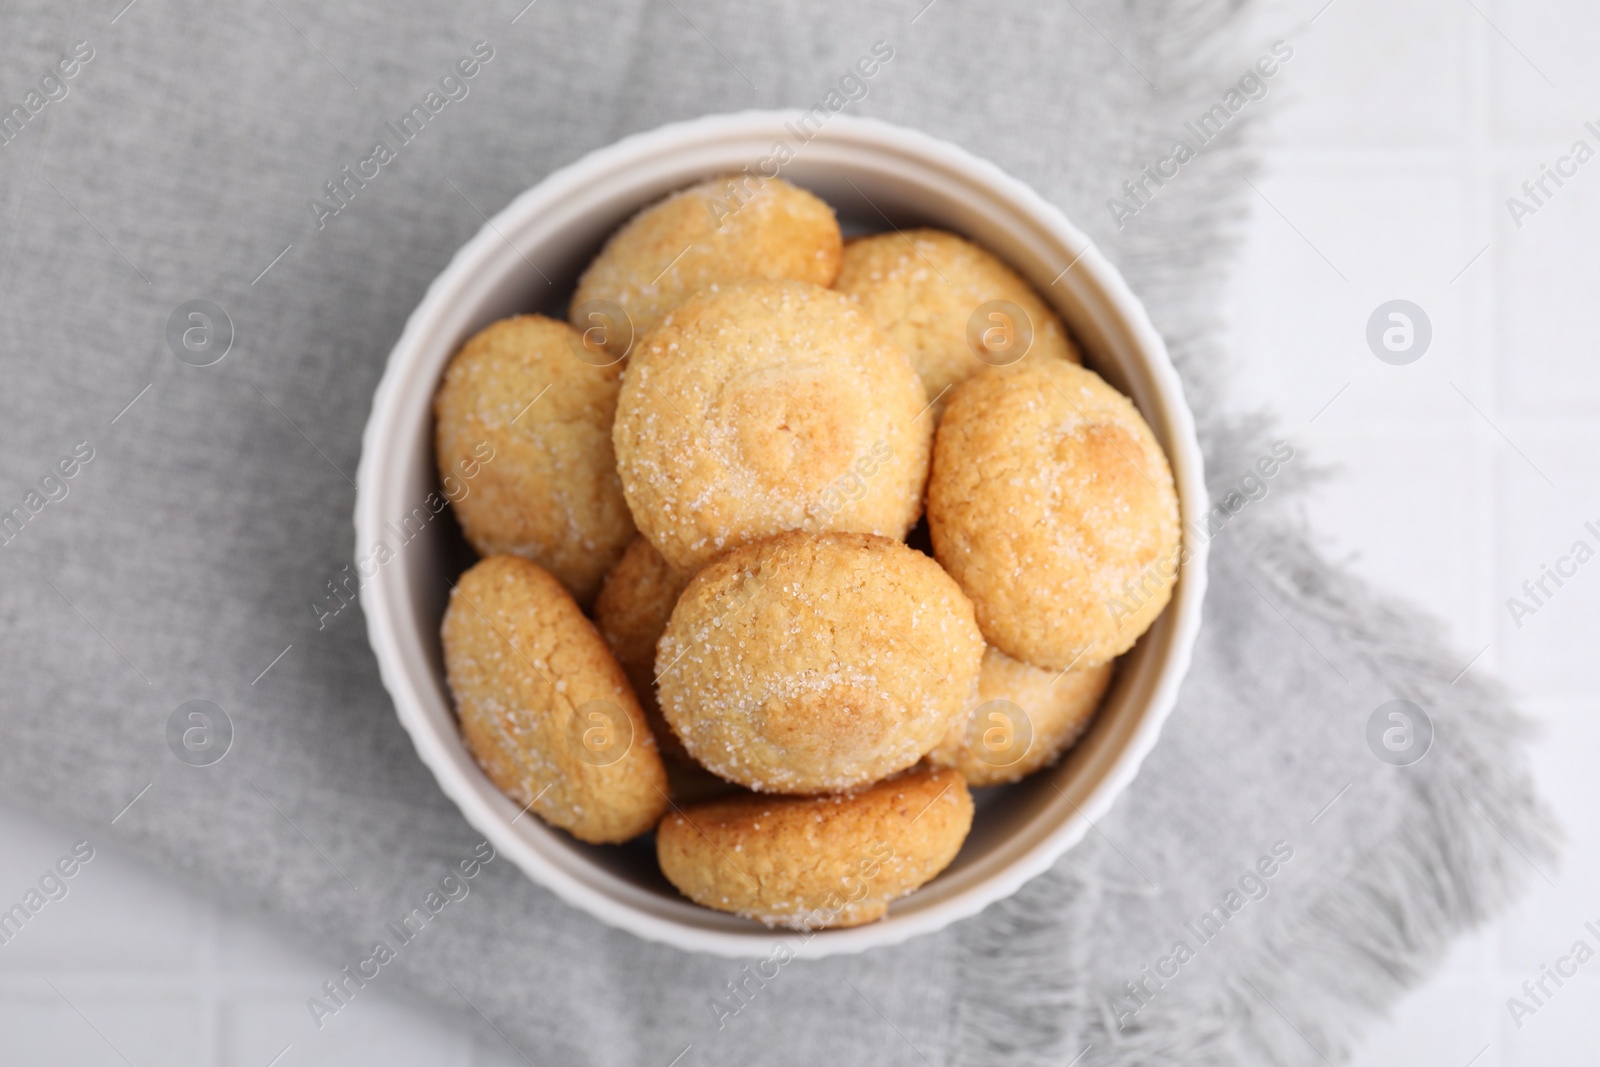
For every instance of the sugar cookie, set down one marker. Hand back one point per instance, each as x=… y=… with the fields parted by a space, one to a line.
x=811 y=663
x=1052 y=504
x=532 y=422
x=950 y=304
x=544 y=707
x=765 y=407
x=813 y=862
x=631 y=611
x=729 y=229
x=1023 y=719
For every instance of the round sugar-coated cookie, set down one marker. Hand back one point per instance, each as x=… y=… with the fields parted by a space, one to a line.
x=732 y=228
x=812 y=663
x=950 y=304
x=544 y=707
x=814 y=862
x=765 y=407
x=1023 y=719
x=523 y=440
x=631 y=611
x=1052 y=504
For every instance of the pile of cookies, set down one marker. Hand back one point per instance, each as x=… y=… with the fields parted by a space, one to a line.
x=699 y=609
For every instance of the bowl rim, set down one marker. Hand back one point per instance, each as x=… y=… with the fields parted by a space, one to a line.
x=380 y=609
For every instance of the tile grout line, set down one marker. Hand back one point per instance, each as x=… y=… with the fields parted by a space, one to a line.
x=1475 y=87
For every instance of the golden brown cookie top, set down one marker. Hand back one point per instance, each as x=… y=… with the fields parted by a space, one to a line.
x=545 y=708
x=637 y=600
x=523 y=440
x=1052 y=504
x=765 y=407
x=951 y=305
x=1022 y=719
x=815 y=862
x=632 y=610
x=809 y=663
x=728 y=229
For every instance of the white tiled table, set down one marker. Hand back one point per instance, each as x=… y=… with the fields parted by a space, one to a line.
x=1408 y=126
x=1404 y=128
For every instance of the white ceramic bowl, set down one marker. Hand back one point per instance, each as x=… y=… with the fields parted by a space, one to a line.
x=875 y=175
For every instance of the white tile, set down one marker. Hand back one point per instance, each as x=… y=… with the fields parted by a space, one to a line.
x=1371 y=74
x=253 y=949
x=1550 y=655
x=1331 y=241
x=376 y=1029
x=43 y=1029
x=1474 y=955
x=90 y=1031
x=1532 y=44
x=149 y=1031
x=1547 y=276
x=1405 y=507
x=1565 y=1029
x=116 y=915
x=1446 y=1021
x=1547 y=921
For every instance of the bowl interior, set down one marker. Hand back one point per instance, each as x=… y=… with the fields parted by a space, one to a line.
x=528 y=260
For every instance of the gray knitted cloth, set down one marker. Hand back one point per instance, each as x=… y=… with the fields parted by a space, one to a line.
x=1263 y=888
